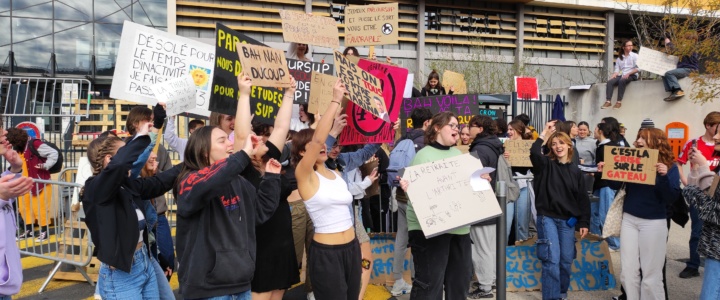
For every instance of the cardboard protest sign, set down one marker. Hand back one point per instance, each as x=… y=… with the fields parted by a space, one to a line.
x=527 y=88
x=635 y=165
x=464 y=106
x=148 y=56
x=264 y=101
x=363 y=88
x=592 y=269
x=265 y=65
x=301 y=71
x=442 y=197
x=303 y=28
x=370 y=129
x=382 y=247
x=454 y=80
x=321 y=93
x=519 y=152
x=656 y=62
x=178 y=95
x=371 y=25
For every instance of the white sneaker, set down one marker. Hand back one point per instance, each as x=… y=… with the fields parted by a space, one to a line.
x=311 y=296
x=400 y=288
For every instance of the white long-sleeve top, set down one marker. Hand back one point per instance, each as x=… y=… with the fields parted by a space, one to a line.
x=171 y=138
x=356 y=183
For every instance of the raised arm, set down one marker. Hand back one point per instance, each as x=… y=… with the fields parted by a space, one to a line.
x=242 y=114
x=307 y=183
x=268 y=192
x=172 y=139
x=282 y=120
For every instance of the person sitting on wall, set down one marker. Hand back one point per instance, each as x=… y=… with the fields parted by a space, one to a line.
x=626 y=71
x=686 y=65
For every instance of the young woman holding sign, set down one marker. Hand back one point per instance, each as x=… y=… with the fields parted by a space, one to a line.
x=562 y=206
x=442 y=263
x=521 y=207
x=644 y=225
x=334 y=259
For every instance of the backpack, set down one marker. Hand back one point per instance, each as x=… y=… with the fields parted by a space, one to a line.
x=57 y=167
x=400 y=157
x=504 y=173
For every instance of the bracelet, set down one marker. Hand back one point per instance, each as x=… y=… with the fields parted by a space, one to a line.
x=338 y=102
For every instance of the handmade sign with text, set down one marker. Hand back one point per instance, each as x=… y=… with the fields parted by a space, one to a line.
x=148 y=56
x=301 y=71
x=264 y=102
x=442 y=197
x=382 y=247
x=464 y=106
x=266 y=66
x=370 y=25
x=363 y=89
x=527 y=88
x=592 y=269
x=635 y=165
x=321 y=93
x=303 y=28
x=367 y=129
x=656 y=62
x=454 y=80
x=519 y=152
x=177 y=94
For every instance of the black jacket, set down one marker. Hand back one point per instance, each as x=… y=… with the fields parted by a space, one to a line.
x=108 y=204
x=434 y=92
x=599 y=157
x=488 y=148
x=417 y=135
x=217 y=211
x=559 y=188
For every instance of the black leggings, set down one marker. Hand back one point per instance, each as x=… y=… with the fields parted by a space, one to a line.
x=335 y=270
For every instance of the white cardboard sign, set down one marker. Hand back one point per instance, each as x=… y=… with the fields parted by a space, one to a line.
x=656 y=62
x=178 y=94
x=148 y=56
x=442 y=197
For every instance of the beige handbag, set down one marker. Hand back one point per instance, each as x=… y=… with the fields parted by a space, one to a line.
x=613 y=220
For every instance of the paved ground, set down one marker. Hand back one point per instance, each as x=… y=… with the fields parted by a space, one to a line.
x=35 y=271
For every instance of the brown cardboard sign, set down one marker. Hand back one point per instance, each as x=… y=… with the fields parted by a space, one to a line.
x=519 y=152
x=635 y=165
x=363 y=87
x=266 y=66
x=455 y=80
x=371 y=25
x=303 y=28
x=321 y=92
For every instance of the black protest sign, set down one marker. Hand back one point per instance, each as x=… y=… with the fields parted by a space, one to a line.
x=264 y=102
x=302 y=72
x=464 y=106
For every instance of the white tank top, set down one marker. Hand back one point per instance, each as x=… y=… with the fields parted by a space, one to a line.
x=329 y=208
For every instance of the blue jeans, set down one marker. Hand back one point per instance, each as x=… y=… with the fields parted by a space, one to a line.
x=246 y=295
x=164 y=241
x=599 y=212
x=3 y=297
x=711 y=280
x=164 y=289
x=520 y=212
x=556 y=249
x=670 y=80
x=695 y=232
x=140 y=282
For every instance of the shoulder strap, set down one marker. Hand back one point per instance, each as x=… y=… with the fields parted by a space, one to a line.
x=33 y=147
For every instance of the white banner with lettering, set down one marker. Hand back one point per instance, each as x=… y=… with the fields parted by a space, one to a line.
x=656 y=62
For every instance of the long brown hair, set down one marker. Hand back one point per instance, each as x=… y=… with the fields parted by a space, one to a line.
x=656 y=139
x=621 y=52
x=437 y=122
x=566 y=140
x=137 y=115
x=434 y=75
x=299 y=141
x=519 y=127
x=197 y=154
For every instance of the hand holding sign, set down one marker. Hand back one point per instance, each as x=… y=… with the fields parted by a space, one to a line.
x=637 y=165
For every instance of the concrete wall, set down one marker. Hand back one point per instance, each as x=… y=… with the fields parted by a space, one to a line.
x=643 y=99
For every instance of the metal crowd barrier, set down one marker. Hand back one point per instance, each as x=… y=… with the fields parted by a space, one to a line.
x=67 y=239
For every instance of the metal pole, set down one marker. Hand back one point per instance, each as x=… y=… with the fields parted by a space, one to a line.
x=501 y=233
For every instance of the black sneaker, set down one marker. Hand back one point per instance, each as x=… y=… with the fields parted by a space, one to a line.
x=24 y=235
x=473 y=286
x=689 y=273
x=480 y=294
